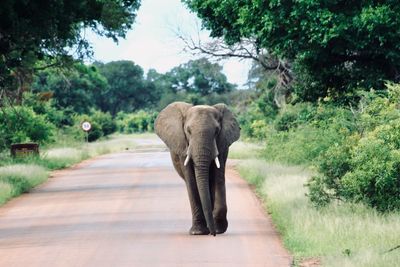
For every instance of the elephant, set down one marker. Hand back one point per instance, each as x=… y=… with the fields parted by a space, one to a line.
x=198 y=138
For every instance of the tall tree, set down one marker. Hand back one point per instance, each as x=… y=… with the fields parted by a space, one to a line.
x=76 y=88
x=199 y=76
x=43 y=29
x=336 y=46
x=127 y=89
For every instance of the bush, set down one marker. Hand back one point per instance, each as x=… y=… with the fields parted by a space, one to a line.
x=259 y=129
x=299 y=146
x=105 y=121
x=366 y=166
x=21 y=124
x=41 y=103
x=293 y=116
x=141 y=121
x=254 y=119
x=102 y=125
x=94 y=133
x=366 y=171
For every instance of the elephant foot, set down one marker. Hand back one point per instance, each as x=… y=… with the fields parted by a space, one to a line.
x=199 y=230
x=221 y=226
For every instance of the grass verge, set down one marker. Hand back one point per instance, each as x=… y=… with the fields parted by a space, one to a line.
x=18 y=176
x=245 y=150
x=338 y=235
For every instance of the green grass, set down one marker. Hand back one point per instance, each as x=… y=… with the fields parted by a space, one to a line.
x=339 y=235
x=16 y=179
x=245 y=150
x=18 y=176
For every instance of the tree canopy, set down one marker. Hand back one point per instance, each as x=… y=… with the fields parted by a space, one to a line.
x=76 y=88
x=37 y=29
x=127 y=89
x=336 y=46
x=199 y=76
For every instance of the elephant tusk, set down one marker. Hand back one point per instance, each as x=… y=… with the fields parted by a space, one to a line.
x=217 y=162
x=186 y=160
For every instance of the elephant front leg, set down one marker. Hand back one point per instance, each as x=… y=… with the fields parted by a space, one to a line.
x=199 y=225
x=220 y=207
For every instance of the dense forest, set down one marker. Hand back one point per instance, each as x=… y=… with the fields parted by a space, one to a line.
x=322 y=90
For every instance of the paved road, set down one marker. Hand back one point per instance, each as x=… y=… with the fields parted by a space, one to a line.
x=130 y=209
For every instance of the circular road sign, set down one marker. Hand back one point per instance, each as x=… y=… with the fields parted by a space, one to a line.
x=86 y=126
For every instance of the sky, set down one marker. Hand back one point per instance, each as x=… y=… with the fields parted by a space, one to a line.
x=152 y=41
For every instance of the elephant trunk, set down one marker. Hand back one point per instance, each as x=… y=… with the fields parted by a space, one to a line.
x=203 y=185
x=203 y=151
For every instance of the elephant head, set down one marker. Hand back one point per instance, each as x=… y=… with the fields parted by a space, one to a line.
x=198 y=134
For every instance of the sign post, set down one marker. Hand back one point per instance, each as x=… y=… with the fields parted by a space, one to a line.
x=24 y=150
x=86 y=126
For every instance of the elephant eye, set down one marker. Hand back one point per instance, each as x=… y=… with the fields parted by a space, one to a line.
x=189 y=131
x=217 y=130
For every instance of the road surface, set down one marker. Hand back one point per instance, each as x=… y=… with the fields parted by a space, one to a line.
x=131 y=209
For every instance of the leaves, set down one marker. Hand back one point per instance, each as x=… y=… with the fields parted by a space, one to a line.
x=34 y=30
x=336 y=46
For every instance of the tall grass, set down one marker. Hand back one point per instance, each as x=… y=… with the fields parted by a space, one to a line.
x=19 y=178
x=339 y=235
x=245 y=150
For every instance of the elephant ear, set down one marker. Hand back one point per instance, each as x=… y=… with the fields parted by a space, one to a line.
x=230 y=130
x=169 y=127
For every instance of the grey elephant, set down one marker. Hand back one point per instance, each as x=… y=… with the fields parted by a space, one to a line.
x=199 y=138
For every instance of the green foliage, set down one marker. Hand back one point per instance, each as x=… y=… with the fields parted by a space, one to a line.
x=102 y=125
x=76 y=88
x=127 y=89
x=197 y=81
x=365 y=167
x=41 y=105
x=106 y=122
x=21 y=124
x=299 y=146
x=256 y=111
x=34 y=30
x=199 y=77
x=138 y=122
x=294 y=115
x=335 y=46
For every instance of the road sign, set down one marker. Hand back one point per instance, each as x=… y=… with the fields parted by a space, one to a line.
x=86 y=126
x=26 y=149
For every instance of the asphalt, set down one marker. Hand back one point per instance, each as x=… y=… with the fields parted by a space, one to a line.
x=131 y=209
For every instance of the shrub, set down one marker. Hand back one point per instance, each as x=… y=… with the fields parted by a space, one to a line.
x=76 y=130
x=259 y=129
x=294 y=115
x=299 y=146
x=105 y=121
x=366 y=166
x=254 y=119
x=366 y=171
x=138 y=122
x=41 y=103
x=102 y=125
x=21 y=124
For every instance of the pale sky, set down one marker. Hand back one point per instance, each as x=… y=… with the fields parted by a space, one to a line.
x=152 y=42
